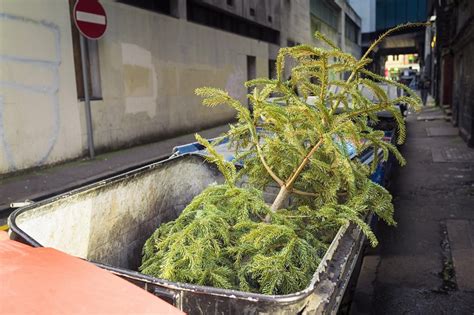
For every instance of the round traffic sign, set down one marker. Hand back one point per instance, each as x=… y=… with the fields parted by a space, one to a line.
x=90 y=18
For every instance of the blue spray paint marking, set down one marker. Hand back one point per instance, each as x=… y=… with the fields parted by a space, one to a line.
x=51 y=91
x=7 y=151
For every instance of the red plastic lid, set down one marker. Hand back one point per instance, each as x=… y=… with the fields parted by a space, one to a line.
x=47 y=281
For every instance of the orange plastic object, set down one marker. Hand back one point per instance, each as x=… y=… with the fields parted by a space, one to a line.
x=47 y=281
x=3 y=236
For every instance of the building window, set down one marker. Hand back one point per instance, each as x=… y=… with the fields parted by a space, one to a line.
x=160 y=6
x=315 y=25
x=199 y=12
x=272 y=73
x=230 y=2
x=252 y=11
x=92 y=63
x=291 y=43
x=270 y=19
x=325 y=12
x=352 y=30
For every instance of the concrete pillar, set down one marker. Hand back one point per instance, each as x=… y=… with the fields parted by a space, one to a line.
x=342 y=30
x=178 y=9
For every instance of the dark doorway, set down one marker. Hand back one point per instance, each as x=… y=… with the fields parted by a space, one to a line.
x=251 y=74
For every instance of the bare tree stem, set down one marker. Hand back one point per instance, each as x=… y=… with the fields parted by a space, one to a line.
x=287 y=187
x=280 y=198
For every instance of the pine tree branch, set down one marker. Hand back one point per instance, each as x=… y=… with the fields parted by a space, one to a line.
x=305 y=161
x=390 y=31
x=324 y=85
x=304 y=193
x=372 y=46
x=254 y=135
x=267 y=167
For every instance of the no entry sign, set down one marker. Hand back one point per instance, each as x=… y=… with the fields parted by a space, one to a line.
x=90 y=18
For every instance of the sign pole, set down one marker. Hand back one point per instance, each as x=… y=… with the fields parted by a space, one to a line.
x=87 y=101
x=91 y=21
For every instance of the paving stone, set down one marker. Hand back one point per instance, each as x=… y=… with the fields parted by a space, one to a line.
x=363 y=294
x=442 y=131
x=452 y=154
x=461 y=239
x=461 y=234
x=431 y=116
x=409 y=277
x=398 y=300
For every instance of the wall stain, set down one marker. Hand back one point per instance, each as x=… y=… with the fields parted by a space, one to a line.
x=138 y=81
x=234 y=84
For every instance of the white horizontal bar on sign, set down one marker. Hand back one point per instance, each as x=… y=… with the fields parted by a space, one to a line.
x=90 y=17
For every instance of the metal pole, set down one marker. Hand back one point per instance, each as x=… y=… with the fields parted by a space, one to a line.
x=87 y=103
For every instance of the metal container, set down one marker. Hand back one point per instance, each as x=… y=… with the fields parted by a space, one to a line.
x=108 y=222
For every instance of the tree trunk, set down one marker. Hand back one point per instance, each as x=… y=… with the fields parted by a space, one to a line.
x=280 y=198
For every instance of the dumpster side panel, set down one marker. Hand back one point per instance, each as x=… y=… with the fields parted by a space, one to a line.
x=109 y=223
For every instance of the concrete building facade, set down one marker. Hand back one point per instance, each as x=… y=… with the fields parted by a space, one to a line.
x=450 y=45
x=339 y=22
x=143 y=71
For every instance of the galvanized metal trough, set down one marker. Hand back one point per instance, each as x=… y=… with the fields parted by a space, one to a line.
x=109 y=221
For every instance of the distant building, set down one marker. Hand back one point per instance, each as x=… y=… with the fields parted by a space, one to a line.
x=399 y=65
x=143 y=71
x=379 y=16
x=339 y=22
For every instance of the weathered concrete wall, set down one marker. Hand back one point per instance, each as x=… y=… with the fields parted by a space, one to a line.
x=328 y=31
x=39 y=113
x=464 y=90
x=366 y=10
x=353 y=48
x=151 y=64
x=263 y=9
x=463 y=47
x=295 y=27
x=295 y=22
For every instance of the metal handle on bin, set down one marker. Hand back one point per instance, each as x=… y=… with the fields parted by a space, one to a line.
x=170 y=297
x=19 y=204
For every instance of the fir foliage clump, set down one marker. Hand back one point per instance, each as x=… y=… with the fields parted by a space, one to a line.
x=228 y=236
x=221 y=239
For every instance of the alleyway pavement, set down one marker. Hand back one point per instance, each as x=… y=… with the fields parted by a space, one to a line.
x=425 y=265
x=45 y=182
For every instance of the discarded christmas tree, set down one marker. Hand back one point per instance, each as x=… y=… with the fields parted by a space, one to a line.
x=228 y=236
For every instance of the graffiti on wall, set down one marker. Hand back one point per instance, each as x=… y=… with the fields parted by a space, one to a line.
x=21 y=64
